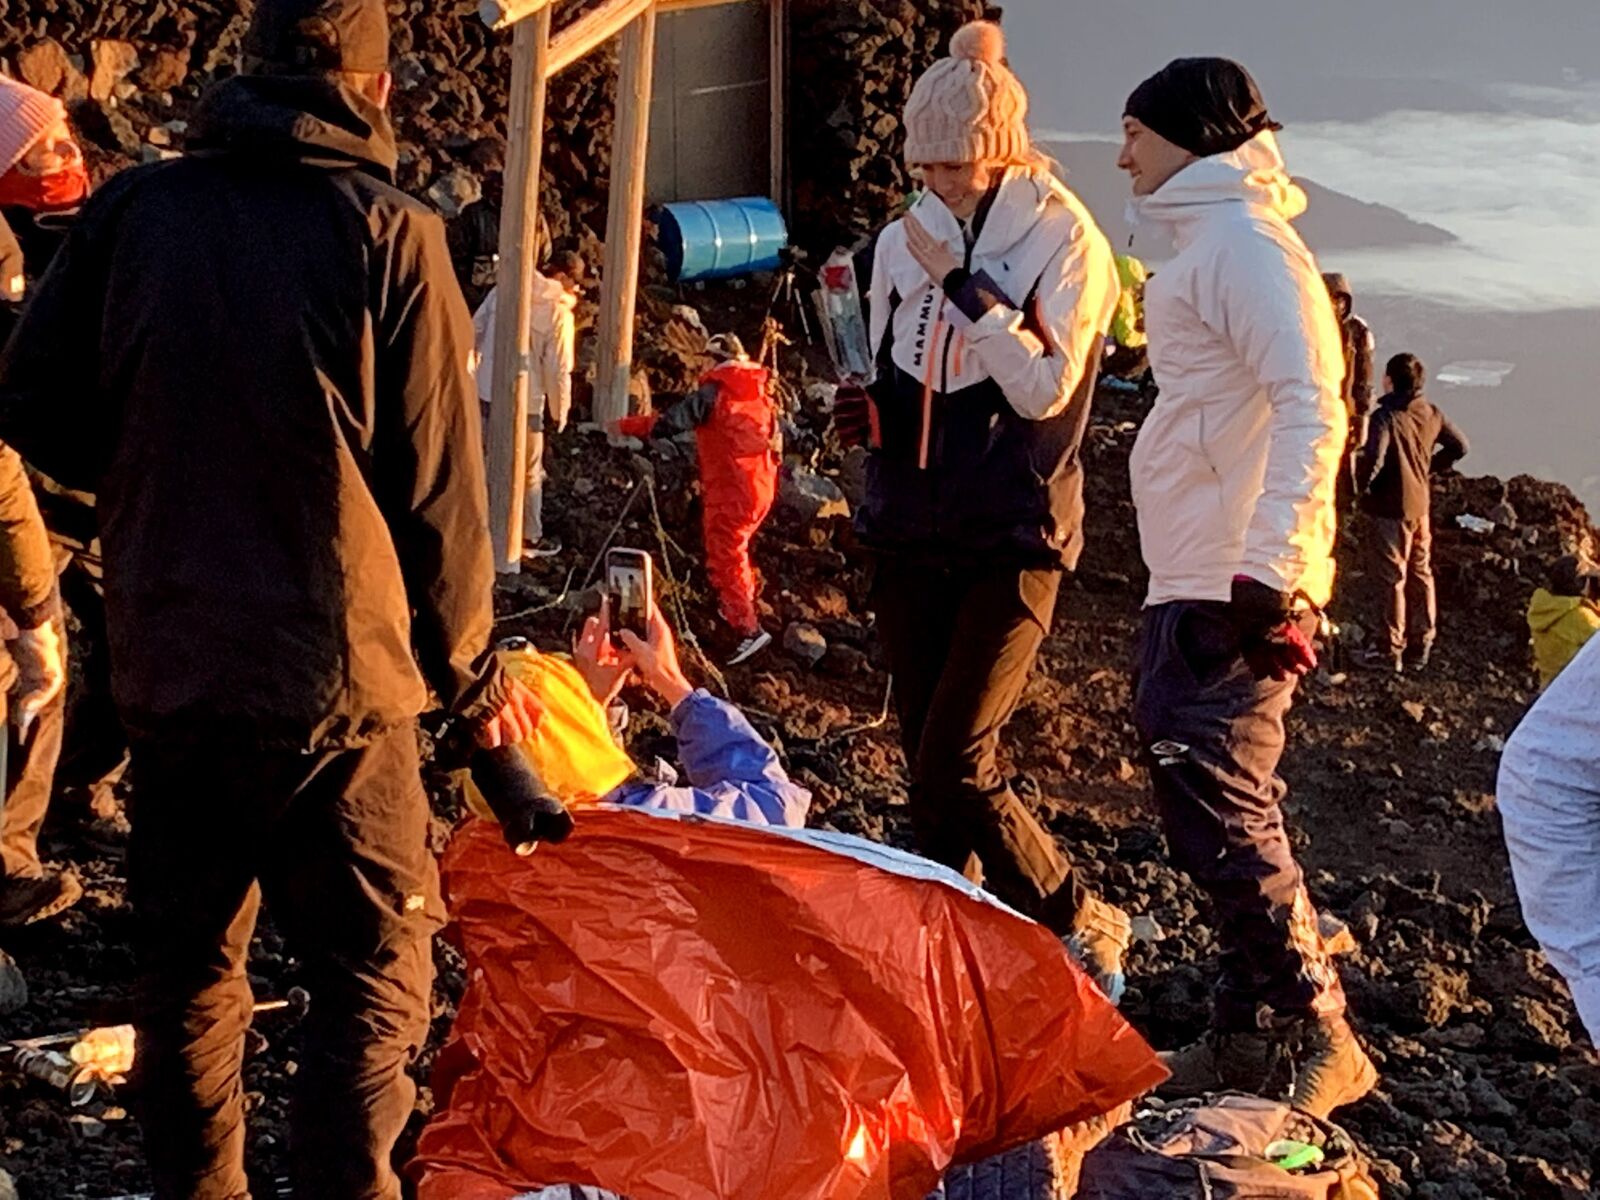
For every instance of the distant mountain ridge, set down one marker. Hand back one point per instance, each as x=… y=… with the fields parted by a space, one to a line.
x=1334 y=222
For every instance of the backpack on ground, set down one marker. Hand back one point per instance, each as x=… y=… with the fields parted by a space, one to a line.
x=1218 y=1149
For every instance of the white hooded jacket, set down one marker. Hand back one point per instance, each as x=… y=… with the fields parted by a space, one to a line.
x=551 y=348
x=1037 y=240
x=1234 y=470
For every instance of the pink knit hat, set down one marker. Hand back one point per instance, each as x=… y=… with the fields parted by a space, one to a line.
x=26 y=115
x=969 y=107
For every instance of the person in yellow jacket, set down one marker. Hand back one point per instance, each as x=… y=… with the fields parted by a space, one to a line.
x=1127 y=325
x=1563 y=616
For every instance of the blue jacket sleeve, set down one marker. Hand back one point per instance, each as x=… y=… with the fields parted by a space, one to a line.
x=732 y=772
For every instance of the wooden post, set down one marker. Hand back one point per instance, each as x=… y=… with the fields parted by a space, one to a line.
x=624 y=218
x=519 y=247
x=779 y=17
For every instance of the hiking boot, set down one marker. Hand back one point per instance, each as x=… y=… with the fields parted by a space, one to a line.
x=749 y=647
x=1098 y=942
x=1224 y=1062
x=24 y=901
x=1331 y=1068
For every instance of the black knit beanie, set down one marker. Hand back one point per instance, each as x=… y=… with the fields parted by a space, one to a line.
x=309 y=37
x=1205 y=105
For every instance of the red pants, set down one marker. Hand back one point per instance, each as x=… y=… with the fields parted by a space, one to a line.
x=737 y=496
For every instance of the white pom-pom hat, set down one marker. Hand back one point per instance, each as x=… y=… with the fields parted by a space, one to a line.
x=969 y=107
x=26 y=115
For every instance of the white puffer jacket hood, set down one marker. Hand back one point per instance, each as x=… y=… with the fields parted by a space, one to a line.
x=1234 y=470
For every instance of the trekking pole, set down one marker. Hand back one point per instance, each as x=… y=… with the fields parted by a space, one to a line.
x=76 y=1064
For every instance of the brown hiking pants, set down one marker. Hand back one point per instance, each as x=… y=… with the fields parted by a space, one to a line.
x=1402 y=563
x=337 y=842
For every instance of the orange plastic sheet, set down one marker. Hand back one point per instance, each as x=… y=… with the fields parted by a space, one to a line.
x=677 y=1008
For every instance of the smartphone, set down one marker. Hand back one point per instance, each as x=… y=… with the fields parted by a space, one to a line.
x=630 y=588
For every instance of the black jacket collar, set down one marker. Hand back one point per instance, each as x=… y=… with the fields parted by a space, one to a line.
x=302 y=119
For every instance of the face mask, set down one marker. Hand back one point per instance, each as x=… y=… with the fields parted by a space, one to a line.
x=45 y=193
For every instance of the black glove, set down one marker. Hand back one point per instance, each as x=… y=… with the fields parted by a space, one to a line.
x=1270 y=639
x=527 y=812
x=855 y=417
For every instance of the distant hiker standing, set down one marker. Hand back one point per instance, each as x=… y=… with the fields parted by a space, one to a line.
x=990 y=301
x=552 y=340
x=1408 y=440
x=1233 y=478
x=1359 y=348
x=256 y=357
x=739 y=449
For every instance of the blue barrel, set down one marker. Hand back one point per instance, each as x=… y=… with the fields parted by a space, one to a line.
x=720 y=239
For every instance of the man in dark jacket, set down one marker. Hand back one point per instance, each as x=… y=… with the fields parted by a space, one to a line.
x=1409 y=440
x=256 y=357
x=1359 y=347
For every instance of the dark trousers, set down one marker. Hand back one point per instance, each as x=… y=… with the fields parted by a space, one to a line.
x=1402 y=563
x=94 y=754
x=337 y=842
x=961 y=644
x=1214 y=734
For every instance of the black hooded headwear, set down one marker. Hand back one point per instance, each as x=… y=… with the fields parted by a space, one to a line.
x=1205 y=105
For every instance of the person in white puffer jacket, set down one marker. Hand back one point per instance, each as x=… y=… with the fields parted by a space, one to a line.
x=1233 y=476
x=1549 y=799
x=989 y=304
x=552 y=340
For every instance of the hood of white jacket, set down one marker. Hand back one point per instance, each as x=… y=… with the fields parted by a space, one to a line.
x=1253 y=176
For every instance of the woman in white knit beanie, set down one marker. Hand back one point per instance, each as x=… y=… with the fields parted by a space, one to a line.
x=41 y=166
x=42 y=174
x=989 y=304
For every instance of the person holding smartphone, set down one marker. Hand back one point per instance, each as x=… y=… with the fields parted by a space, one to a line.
x=989 y=304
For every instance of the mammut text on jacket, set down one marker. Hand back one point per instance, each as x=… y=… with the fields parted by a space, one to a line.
x=257 y=357
x=1234 y=470
x=984 y=395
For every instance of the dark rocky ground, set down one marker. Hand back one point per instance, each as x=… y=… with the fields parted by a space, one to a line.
x=1489 y=1088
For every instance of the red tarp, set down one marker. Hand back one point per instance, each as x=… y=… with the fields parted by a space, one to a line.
x=683 y=1009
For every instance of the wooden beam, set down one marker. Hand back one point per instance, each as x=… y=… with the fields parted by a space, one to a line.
x=595 y=27
x=519 y=247
x=502 y=14
x=669 y=6
x=624 y=218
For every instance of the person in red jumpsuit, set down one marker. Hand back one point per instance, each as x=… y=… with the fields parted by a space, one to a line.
x=736 y=434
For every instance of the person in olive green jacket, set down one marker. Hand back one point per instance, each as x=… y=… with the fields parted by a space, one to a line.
x=32 y=674
x=1563 y=616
